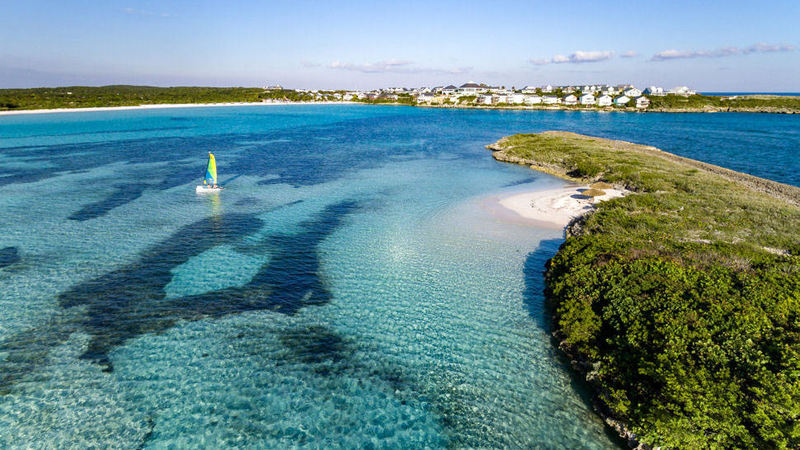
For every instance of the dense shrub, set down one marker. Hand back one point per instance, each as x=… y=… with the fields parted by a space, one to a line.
x=681 y=300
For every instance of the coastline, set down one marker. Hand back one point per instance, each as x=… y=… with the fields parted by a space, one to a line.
x=163 y=106
x=604 y=275
x=765 y=110
x=758 y=110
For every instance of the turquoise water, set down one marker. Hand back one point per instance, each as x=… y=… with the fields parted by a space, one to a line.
x=350 y=287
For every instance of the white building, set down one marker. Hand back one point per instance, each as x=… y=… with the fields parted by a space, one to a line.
x=570 y=100
x=533 y=100
x=547 y=89
x=426 y=97
x=682 y=90
x=551 y=100
x=642 y=102
x=471 y=88
x=632 y=92
x=588 y=99
x=622 y=100
x=500 y=98
x=500 y=90
x=516 y=99
x=653 y=90
x=449 y=90
x=529 y=90
x=484 y=99
x=604 y=100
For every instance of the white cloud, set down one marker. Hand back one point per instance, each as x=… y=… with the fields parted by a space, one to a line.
x=721 y=52
x=768 y=48
x=629 y=54
x=394 y=66
x=577 y=57
x=582 y=57
x=391 y=65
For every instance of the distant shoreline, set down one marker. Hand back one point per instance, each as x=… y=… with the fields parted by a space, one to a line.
x=558 y=107
x=161 y=106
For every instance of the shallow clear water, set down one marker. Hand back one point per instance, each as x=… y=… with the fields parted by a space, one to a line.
x=348 y=288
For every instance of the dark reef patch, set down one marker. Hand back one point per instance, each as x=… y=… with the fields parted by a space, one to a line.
x=318 y=346
x=131 y=301
x=125 y=193
x=9 y=256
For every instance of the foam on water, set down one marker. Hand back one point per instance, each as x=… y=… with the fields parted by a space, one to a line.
x=348 y=288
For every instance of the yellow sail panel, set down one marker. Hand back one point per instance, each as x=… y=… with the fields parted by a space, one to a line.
x=211 y=170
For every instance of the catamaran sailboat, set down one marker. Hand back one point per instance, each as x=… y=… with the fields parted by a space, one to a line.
x=210 y=181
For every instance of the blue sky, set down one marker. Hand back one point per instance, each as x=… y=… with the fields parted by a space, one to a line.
x=712 y=45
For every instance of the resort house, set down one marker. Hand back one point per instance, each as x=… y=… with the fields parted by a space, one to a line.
x=682 y=90
x=516 y=99
x=529 y=90
x=604 y=100
x=588 y=99
x=642 y=102
x=471 y=88
x=570 y=100
x=551 y=100
x=632 y=92
x=533 y=100
x=484 y=99
x=653 y=90
x=426 y=98
x=449 y=90
x=622 y=100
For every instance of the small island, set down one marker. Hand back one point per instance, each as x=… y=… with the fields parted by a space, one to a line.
x=680 y=301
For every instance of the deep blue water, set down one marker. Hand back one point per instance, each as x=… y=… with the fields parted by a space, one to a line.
x=347 y=288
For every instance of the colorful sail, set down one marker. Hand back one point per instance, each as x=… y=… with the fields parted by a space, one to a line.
x=211 y=171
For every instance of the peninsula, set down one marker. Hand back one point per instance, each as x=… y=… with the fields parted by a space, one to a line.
x=680 y=301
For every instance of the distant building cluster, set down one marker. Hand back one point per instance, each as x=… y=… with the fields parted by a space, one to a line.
x=570 y=95
x=479 y=94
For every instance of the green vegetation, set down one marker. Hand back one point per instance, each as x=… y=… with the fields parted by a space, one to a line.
x=681 y=301
x=403 y=99
x=83 y=96
x=765 y=103
x=288 y=95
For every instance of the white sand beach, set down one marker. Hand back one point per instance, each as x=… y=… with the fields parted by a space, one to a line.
x=555 y=207
x=162 y=106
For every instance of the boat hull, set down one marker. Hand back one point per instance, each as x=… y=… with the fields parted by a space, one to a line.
x=203 y=189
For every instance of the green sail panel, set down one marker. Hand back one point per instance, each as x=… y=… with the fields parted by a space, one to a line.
x=211 y=170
